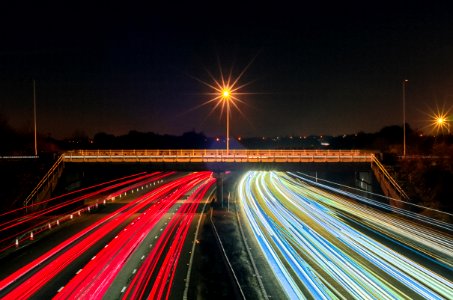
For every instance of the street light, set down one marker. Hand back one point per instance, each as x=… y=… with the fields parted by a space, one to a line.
x=441 y=122
x=226 y=98
x=226 y=93
x=404 y=117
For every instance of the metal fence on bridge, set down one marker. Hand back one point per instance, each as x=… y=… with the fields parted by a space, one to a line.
x=219 y=155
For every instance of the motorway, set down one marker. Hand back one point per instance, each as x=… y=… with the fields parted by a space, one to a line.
x=146 y=235
x=36 y=218
x=323 y=243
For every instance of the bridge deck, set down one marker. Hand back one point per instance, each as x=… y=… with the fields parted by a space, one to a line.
x=219 y=155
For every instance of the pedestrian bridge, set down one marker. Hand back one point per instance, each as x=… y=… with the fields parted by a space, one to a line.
x=220 y=156
x=219 y=160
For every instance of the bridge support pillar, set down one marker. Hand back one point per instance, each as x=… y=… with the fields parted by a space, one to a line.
x=363 y=180
x=220 y=176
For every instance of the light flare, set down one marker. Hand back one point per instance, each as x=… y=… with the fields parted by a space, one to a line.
x=226 y=91
x=439 y=121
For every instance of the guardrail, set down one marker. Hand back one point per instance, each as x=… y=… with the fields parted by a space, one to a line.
x=50 y=175
x=8 y=157
x=218 y=155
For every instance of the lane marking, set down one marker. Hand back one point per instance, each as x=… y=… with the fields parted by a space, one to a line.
x=123 y=289
x=60 y=289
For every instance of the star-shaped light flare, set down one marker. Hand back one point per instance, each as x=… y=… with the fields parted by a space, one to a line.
x=226 y=91
x=439 y=120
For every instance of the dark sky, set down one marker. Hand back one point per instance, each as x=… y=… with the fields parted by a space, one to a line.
x=316 y=69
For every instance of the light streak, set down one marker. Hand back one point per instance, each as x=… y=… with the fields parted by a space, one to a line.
x=26 y=281
x=310 y=236
x=159 y=281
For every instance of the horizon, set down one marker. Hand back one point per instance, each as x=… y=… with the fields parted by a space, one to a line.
x=81 y=134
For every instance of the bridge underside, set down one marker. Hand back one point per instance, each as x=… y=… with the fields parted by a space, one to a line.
x=227 y=166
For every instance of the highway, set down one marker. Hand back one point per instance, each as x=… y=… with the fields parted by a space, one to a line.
x=44 y=215
x=87 y=263
x=324 y=243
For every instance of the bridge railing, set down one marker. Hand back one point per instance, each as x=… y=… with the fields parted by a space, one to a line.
x=49 y=178
x=381 y=168
x=218 y=155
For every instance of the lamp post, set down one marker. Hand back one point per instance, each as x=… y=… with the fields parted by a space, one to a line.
x=404 y=117
x=34 y=117
x=226 y=96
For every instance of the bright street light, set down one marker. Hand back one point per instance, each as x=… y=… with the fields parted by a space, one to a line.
x=439 y=119
x=440 y=122
x=226 y=97
x=226 y=93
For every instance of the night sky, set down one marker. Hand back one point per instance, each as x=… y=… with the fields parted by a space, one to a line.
x=315 y=70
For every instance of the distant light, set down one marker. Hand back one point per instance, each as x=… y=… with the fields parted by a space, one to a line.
x=239 y=138
x=440 y=120
x=217 y=139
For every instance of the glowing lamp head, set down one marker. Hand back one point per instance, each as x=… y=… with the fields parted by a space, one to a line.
x=440 y=120
x=226 y=93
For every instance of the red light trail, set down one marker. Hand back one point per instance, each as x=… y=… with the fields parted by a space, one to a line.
x=96 y=276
